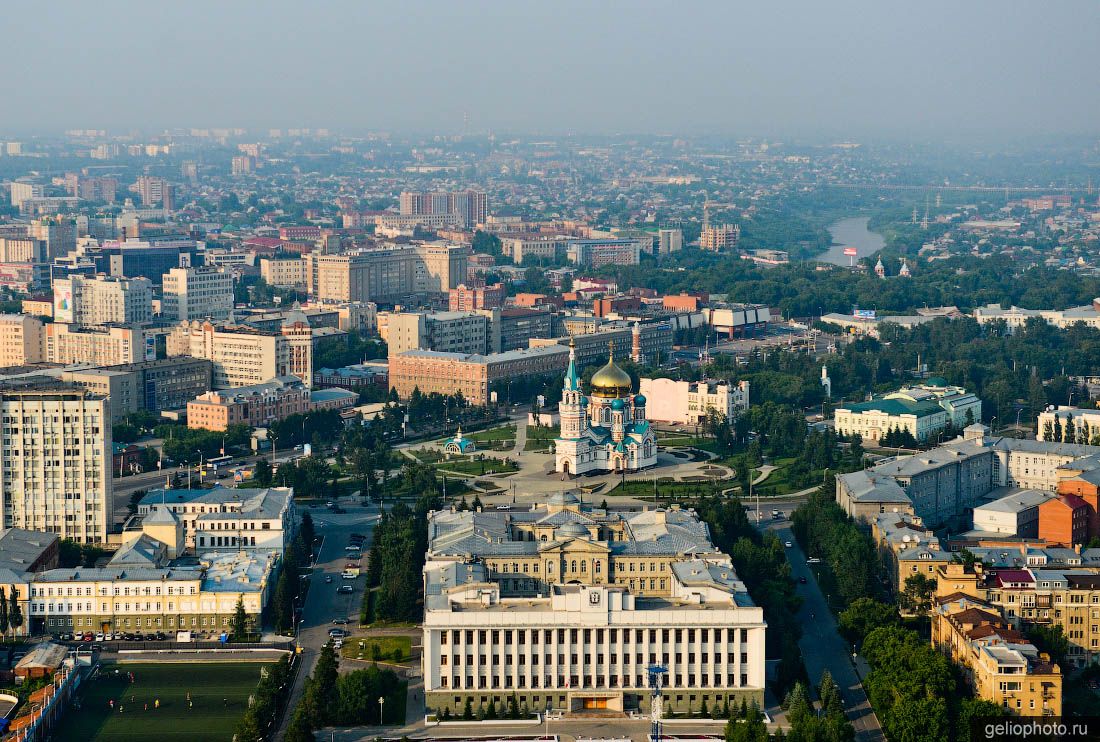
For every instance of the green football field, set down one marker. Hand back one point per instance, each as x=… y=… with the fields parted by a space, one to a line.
x=219 y=696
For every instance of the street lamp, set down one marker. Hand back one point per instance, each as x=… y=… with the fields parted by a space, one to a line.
x=381 y=701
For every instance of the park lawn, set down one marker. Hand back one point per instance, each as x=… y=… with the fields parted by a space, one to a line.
x=478 y=468
x=541 y=438
x=506 y=433
x=386 y=645
x=667 y=488
x=219 y=692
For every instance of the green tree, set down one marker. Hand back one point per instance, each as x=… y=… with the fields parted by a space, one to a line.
x=262 y=473
x=864 y=615
x=240 y=621
x=917 y=594
x=15 y=612
x=4 y=622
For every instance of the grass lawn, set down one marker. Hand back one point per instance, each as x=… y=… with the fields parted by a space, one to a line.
x=478 y=468
x=210 y=685
x=541 y=437
x=386 y=646
x=667 y=488
x=493 y=439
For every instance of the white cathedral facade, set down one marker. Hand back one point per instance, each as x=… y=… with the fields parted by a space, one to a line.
x=606 y=432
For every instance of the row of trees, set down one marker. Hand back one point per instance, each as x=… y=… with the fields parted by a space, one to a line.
x=183 y=444
x=825 y=531
x=400 y=542
x=761 y=563
x=332 y=699
x=289 y=585
x=11 y=614
x=262 y=714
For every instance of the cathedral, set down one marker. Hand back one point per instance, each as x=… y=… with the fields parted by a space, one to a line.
x=606 y=432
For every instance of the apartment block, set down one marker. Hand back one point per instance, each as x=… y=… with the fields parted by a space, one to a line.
x=448 y=332
x=720 y=238
x=290 y=272
x=21 y=340
x=669 y=241
x=100 y=346
x=997 y=661
x=470 y=207
x=197 y=293
x=58 y=233
x=243 y=356
x=102 y=300
x=386 y=275
x=55 y=463
x=18 y=249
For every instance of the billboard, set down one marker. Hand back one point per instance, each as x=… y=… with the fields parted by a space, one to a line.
x=863 y=313
x=851 y=252
x=63 y=310
x=150 y=348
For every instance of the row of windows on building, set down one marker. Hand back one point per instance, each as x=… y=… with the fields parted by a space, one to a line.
x=715 y=636
x=690 y=680
x=50 y=592
x=149 y=622
x=705 y=658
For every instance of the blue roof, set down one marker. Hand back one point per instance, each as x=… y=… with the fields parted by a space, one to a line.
x=335 y=393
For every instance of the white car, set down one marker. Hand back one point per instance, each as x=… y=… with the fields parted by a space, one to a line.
x=99 y=636
x=789 y=544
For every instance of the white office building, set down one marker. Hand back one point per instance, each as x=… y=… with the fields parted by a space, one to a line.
x=102 y=300
x=55 y=463
x=197 y=293
x=567 y=606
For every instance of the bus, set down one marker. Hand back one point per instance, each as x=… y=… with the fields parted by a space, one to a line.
x=215 y=461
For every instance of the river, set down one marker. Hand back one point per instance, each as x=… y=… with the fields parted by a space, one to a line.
x=851 y=232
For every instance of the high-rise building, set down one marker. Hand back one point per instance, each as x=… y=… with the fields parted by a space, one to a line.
x=669 y=241
x=470 y=206
x=242 y=165
x=722 y=237
x=21 y=192
x=59 y=234
x=102 y=300
x=156 y=192
x=197 y=293
x=55 y=466
x=22 y=250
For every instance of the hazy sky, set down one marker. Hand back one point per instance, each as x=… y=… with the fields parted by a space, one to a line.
x=768 y=67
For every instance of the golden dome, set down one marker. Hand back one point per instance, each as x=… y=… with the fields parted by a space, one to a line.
x=611 y=381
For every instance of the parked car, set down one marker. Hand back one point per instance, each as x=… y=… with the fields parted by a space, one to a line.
x=789 y=544
x=334 y=633
x=88 y=636
x=340 y=621
x=813 y=560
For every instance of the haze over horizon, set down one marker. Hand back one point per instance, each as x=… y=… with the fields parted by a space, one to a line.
x=846 y=69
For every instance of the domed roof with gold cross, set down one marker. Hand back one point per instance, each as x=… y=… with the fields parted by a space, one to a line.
x=611 y=381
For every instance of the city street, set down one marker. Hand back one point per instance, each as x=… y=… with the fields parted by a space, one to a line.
x=322 y=601
x=822 y=645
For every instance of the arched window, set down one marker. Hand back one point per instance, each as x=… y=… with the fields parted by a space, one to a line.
x=597 y=566
x=573 y=567
x=549 y=568
x=542 y=537
x=584 y=565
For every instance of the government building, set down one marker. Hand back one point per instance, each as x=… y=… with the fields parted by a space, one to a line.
x=607 y=432
x=566 y=605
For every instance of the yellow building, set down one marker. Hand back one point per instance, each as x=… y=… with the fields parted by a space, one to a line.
x=998 y=662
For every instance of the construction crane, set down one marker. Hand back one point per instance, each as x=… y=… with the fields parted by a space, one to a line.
x=706 y=210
